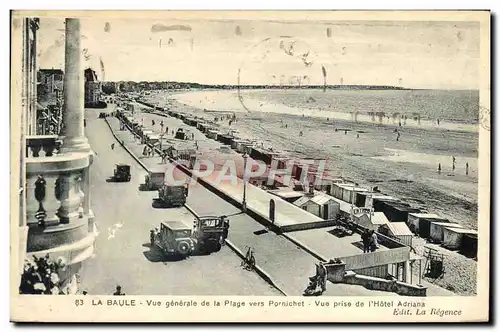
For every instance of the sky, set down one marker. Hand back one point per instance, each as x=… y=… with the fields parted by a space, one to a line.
x=439 y=55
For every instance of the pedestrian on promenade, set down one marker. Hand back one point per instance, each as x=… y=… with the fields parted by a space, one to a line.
x=118 y=291
x=373 y=241
x=365 y=237
x=397 y=138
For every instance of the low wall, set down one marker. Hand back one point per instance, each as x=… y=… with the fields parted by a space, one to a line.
x=377 y=258
x=308 y=225
x=393 y=286
x=336 y=273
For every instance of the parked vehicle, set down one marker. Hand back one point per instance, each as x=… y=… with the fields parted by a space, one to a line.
x=180 y=134
x=122 y=173
x=154 y=180
x=173 y=239
x=176 y=238
x=172 y=196
x=210 y=233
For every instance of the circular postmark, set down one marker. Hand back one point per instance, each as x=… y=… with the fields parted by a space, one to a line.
x=484 y=117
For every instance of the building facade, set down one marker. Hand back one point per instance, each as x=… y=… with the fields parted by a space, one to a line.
x=49 y=106
x=30 y=27
x=93 y=89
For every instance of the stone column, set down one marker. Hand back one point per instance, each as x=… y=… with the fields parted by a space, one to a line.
x=74 y=136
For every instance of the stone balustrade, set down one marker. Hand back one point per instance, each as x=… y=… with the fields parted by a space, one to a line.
x=42 y=146
x=57 y=197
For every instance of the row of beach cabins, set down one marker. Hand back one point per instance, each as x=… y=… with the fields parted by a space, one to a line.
x=337 y=197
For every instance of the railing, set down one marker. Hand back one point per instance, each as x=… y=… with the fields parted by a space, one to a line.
x=57 y=195
x=42 y=146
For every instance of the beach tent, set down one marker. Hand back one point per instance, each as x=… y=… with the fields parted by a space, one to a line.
x=363 y=218
x=398 y=230
x=469 y=245
x=320 y=205
x=422 y=220
x=452 y=237
x=436 y=230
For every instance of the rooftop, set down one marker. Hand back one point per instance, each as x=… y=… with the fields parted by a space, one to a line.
x=399 y=228
x=327 y=244
x=176 y=225
x=461 y=230
x=426 y=215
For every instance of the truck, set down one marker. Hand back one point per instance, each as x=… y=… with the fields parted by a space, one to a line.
x=154 y=180
x=210 y=233
x=172 y=196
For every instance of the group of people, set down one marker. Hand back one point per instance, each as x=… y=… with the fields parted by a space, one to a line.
x=454 y=161
x=148 y=151
x=370 y=241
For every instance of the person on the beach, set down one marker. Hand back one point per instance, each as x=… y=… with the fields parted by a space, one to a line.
x=345 y=132
x=466 y=168
x=454 y=160
x=397 y=138
x=439 y=168
x=438 y=121
x=357 y=135
x=112 y=146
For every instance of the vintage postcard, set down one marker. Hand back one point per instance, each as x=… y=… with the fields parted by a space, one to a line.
x=272 y=166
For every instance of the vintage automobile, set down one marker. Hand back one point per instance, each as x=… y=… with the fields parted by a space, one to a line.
x=122 y=173
x=172 y=196
x=210 y=233
x=173 y=239
x=154 y=180
x=181 y=134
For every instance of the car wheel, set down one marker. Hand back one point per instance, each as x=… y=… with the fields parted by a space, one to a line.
x=183 y=248
x=218 y=247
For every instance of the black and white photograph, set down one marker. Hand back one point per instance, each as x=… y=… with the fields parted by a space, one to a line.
x=303 y=160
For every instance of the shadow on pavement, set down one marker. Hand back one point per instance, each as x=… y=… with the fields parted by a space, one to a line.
x=143 y=187
x=155 y=256
x=157 y=204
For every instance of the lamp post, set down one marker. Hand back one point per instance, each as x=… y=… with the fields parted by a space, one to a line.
x=245 y=157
